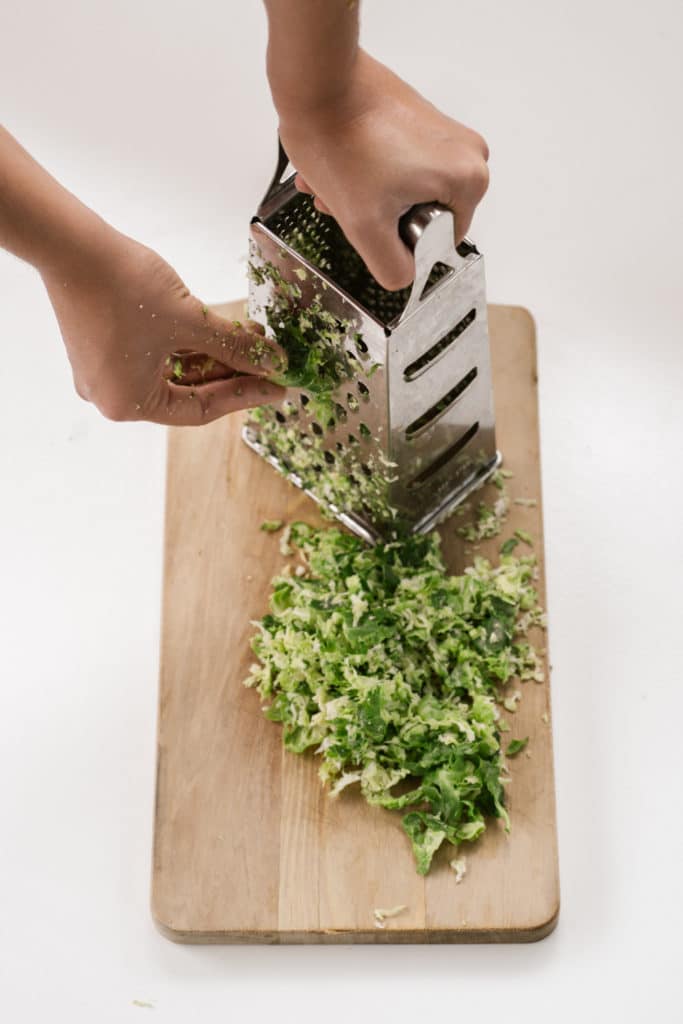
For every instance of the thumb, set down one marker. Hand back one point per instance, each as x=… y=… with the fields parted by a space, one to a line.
x=380 y=246
x=183 y=406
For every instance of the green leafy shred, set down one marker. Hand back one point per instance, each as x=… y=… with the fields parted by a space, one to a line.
x=516 y=747
x=313 y=339
x=391 y=669
x=488 y=520
x=272 y=525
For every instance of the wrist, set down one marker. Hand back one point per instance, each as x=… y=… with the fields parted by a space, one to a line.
x=323 y=99
x=78 y=243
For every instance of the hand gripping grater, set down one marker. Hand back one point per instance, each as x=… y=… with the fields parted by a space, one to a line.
x=412 y=432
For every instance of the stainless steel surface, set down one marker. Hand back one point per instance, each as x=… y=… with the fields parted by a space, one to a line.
x=428 y=408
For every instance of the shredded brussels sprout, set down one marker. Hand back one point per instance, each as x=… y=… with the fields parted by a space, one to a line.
x=391 y=670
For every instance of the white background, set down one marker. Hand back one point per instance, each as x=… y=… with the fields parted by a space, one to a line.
x=157 y=114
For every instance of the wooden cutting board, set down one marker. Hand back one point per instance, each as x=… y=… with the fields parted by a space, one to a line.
x=247 y=846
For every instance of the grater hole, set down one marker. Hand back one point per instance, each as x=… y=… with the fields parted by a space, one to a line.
x=305 y=400
x=329 y=458
x=361 y=347
x=363 y=389
x=317 y=429
x=434 y=467
x=364 y=430
x=331 y=423
x=339 y=446
x=280 y=417
x=437 y=410
x=436 y=351
x=438 y=273
x=352 y=402
x=340 y=413
x=352 y=439
x=366 y=469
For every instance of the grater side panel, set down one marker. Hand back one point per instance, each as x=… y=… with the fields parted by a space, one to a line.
x=356 y=438
x=422 y=436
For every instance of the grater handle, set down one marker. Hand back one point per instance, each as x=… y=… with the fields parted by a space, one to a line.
x=428 y=231
x=281 y=182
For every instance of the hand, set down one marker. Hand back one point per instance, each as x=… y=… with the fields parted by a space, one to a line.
x=374 y=150
x=142 y=347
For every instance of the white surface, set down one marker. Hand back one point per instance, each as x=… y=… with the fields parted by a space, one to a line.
x=157 y=114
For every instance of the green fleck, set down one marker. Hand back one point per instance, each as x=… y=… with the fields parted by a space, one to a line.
x=509 y=546
x=516 y=746
x=272 y=525
x=178 y=369
x=524 y=536
x=488 y=520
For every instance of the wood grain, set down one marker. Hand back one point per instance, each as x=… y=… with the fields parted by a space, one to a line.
x=247 y=846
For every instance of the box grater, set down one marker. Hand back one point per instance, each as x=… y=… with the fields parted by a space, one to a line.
x=412 y=429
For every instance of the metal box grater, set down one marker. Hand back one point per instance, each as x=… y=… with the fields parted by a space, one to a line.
x=418 y=434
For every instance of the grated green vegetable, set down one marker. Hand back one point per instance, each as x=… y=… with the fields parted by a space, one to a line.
x=391 y=670
x=516 y=747
x=313 y=340
x=272 y=525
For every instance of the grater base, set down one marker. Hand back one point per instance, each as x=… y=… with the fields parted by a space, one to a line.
x=465 y=487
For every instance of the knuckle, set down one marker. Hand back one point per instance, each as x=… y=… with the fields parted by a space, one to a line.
x=474 y=178
x=114 y=408
x=81 y=390
x=393 y=279
x=483 y=146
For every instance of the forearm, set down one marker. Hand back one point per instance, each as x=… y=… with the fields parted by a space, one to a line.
x=40 y=221
x=312 y=49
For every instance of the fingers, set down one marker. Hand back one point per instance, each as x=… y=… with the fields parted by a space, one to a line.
x=302 y=185
x=322 y=207
x=379 y=244
x=468 y=188
x=195 y=368
x=462 y=218
x=242 y=346
x=193 y=406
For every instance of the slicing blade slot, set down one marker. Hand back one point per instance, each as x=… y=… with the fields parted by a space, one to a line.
x=418 y=367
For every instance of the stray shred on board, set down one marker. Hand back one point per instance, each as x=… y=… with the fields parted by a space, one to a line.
x=381 y=914
x=459 y=865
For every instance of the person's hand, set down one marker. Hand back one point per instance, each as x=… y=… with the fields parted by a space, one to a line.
x=142 y=347
x=373 y=151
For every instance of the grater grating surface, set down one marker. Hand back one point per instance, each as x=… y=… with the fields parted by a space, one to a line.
x=410 y=430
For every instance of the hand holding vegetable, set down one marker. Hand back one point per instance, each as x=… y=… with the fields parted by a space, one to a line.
x=140 y=346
